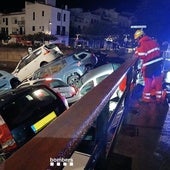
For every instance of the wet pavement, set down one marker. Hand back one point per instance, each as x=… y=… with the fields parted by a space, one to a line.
x=144 y=140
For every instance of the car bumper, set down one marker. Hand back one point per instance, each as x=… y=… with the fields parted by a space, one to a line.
x=73 y=99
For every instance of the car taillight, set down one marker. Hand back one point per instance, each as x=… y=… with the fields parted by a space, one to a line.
x=73 y=91
x=76 y=89
x=7 y=141
x=79 y=63
x=48 y=79
x=46 y=52
x=63 y=99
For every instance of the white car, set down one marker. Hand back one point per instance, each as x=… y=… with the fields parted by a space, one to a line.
x=7 y=81
x=53 y=46
x=34 y=60
x=96 y=76
x=71 y=93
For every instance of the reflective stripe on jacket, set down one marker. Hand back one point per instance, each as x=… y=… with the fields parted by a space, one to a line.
x=148 y=49
x=152 y=61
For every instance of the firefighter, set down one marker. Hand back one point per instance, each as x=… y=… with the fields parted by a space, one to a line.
x=148 y=51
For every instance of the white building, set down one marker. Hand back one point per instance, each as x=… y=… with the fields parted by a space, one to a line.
x=38 y=17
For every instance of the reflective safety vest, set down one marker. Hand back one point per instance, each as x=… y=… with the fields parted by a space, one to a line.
x=148 y=50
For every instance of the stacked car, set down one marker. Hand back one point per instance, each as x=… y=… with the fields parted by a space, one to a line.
x=46 y=83
x=69 y=68
x=71 y=93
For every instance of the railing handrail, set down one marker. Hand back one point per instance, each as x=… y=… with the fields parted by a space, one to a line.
x=62 y=136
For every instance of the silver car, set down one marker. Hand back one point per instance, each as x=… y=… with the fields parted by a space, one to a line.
x=7 y=81
x=95 y=76
x=69 y=68
x=71 y=93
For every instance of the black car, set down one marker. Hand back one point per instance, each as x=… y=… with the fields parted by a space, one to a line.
x=26 y=111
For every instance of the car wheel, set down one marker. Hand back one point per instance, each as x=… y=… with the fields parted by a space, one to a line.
x=14 y=83
x=43 y=63
x=89 y=67
x=74 y=80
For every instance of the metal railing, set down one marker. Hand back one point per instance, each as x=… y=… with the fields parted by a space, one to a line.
x=59 y=140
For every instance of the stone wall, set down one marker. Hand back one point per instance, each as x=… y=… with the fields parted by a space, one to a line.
x=12 y=54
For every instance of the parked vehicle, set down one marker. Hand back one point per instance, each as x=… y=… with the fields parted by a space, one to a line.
x=34 y=60
x=8 y=81
x=68 y=69
x=24 y=112
x=71 y=93
x=95 y=76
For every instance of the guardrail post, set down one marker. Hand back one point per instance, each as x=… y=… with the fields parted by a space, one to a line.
x=100 y=140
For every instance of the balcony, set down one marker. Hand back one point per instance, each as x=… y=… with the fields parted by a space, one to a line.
x=21 y=23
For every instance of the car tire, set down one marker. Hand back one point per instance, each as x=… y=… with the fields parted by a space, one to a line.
x=43 y=63
x=14 y=83
x=74 y=80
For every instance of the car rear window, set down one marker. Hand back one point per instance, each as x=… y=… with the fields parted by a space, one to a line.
x=27 y=107
x=50 y=46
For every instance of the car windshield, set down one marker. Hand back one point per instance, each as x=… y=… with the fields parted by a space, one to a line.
x=76 y=57
x=80 y=56
x=14 y=113
x=27 y=59
x=50 y=46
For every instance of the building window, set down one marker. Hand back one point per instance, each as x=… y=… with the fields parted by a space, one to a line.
x=63 y=30
x=43 y=13
x=42 y=28
x=58 y=16
x=33 y=16
x=64 y=19
x=14 y=21
x=58 y=30
x=14 y=30
x=6 y=21
x=33 y=28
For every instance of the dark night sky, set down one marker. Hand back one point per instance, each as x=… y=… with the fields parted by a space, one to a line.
x=128 y=5
x=154 y=13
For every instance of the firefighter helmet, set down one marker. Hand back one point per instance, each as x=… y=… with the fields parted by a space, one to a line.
x=138 y=33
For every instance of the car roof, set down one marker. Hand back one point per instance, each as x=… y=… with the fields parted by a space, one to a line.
x=42 y=79
x=99 y=71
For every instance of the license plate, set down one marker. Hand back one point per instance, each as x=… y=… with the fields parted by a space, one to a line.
x=43 y=122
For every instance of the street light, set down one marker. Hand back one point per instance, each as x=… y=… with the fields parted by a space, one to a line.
x=49 y=27
x=138 y=26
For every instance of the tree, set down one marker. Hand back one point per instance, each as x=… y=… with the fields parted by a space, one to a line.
x=41 y=37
